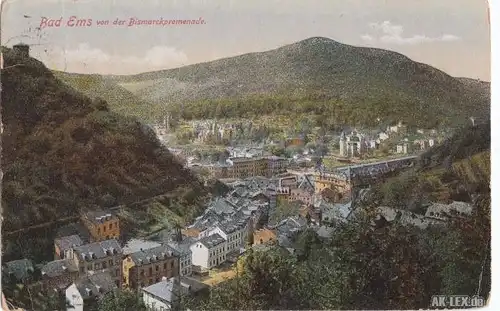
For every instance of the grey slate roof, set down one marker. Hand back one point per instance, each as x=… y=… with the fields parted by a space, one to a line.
x=59 y=267
x=20 y=269
x=212 y=240
x=229 y=227
x=68 y=242
x=95 y=285
x=148 y=256
x=222 y=206
x=169 y=290
x=98 y=250
x=183 y=248
x=136 y=245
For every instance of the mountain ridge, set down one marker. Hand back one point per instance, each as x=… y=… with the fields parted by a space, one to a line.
x=317 y=65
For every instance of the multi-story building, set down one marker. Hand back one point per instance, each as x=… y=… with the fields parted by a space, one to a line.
x=63 y=244
x=209 y=251
x=352 y=145
x=235 y=232
x=168 y=293
x=146 y=267
x=182 y=246
x=58 y=274
x=101 y=225
x=276 y=165
x=98 y=257
x=246 y=167
x=85 y=292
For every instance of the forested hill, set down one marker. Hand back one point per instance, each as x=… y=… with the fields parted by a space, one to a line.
x=119 y=99
x=353 y=80
x=63 y=151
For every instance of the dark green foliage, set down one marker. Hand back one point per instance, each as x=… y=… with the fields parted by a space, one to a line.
x=63 y=152
x=105 y=91
x=121 y=300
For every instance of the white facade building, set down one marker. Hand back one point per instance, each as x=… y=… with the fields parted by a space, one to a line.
x=209 y=252
x=74 y=298
x=383 y=136
x=234 y=232
x=352 y=145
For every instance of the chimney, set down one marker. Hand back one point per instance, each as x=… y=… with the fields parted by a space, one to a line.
x=22 y=49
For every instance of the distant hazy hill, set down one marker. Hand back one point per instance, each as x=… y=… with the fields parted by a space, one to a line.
x=324 y=66
x=119 y=99
x=63 y=151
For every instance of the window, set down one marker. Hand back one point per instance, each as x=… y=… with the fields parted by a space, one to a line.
x=104 y=265
x=142 y=272
x=110 y=262
x=104 y=228
x=165 y=266
x=157 y=268
x=89 y=267
x=150 y=271
x=96 y=266
x=110 y=226
x=172 y=264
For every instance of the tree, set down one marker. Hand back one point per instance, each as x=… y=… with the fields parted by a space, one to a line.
x=125 y=300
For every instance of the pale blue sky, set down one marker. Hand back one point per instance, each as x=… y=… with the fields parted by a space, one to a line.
x=451 y=35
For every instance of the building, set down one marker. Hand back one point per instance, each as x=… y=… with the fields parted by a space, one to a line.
x=58 y=274
x=235 y=232
x=136 y=245
x=296 y=141
x=403 y=147
x=166 y=294
x=339 y=183
x=263 y=236
x=147 y=267
x=209 y=252
x=246 y=167
x=183 y=247
x=352 y=145
x=88 y=290
x=276 y=165
x=63 y=244
x=22 y=49
x=99 y=257
x=101 y=225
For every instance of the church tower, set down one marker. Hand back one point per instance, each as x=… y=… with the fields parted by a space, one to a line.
x=343 y=145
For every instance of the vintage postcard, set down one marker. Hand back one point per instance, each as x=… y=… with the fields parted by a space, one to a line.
x=245 y=155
